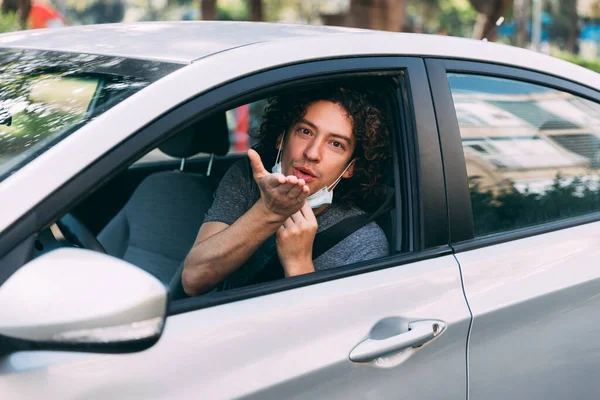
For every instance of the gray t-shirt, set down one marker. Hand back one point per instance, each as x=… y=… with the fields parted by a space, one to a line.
x=238 y=192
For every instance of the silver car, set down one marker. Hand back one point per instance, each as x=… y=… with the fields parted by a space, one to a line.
x=113 y=138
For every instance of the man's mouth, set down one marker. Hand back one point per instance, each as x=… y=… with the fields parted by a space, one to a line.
x=303 y=173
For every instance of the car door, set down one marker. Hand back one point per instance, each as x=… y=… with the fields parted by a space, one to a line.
x=524 y=225
x=388 y=328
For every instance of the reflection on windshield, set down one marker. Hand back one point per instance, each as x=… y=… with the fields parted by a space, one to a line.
x=532 y=153
x=46 y=95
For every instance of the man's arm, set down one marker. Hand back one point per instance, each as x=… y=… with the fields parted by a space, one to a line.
x=221 y=249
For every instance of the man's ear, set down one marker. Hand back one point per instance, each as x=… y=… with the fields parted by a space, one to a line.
x=278 y=141
x=350 y=171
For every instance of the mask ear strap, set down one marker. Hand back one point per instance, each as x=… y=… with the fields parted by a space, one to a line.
x=334 y=184
x=280 y=147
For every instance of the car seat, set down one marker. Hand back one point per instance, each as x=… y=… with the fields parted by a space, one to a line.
x=159 y=223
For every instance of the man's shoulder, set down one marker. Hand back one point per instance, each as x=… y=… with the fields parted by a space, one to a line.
x=371 y=232
x=366 y=243
x=239 y=175
x=234 y=196
x=241 y=166
x=336 y=213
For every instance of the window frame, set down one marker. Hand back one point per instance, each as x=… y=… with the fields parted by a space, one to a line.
x=427 y=219
x=460 y=214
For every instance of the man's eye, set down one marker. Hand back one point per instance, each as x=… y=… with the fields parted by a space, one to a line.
x=305 y=131
x=338 y=145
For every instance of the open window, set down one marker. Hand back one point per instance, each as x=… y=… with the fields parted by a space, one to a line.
x=150 y=213
x=205 y=138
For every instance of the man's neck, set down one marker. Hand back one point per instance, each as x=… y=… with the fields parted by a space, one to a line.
x=319 y=210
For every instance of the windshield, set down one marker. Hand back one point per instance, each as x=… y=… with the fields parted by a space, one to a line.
x=46 y=95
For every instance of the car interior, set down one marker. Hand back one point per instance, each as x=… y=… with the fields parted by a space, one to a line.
x=150 y=213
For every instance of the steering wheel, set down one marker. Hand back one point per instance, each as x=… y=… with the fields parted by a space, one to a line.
x=78 y=234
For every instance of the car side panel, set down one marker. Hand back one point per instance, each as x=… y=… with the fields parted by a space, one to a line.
x=535 y=305
x=291 y=344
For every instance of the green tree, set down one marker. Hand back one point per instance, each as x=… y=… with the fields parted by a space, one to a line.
x=451 y=17
x=8 y=22
x=511 y=209
x=20 y=8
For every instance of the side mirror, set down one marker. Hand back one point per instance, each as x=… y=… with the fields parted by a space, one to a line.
x=80 y=300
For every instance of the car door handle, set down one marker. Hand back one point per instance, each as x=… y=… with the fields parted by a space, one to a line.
x=419 y=332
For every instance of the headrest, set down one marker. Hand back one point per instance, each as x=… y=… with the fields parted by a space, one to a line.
x=210 y=135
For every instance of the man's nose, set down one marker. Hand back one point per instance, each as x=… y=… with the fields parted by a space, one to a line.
x=312 y=151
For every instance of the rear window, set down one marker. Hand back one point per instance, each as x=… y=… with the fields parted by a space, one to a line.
x=45 y=96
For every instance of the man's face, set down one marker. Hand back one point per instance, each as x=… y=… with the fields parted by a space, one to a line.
x=319 y=147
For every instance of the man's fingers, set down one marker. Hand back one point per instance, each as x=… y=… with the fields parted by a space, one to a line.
x=297 y=218
x=295 y=191
x=287 y=223
x=284 y=189
x=308 y=213
x=274 y=180
x=258 y=169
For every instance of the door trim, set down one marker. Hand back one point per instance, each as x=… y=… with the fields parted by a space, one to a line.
x=228 y=296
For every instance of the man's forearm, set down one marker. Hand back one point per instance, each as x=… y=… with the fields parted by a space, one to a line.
x=212 y=260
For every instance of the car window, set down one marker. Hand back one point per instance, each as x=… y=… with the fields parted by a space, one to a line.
x=532 y=153
x=45 y=95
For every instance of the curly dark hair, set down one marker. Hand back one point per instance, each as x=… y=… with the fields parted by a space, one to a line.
x=368 y=185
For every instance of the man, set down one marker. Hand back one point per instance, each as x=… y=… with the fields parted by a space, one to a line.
x=318 y=141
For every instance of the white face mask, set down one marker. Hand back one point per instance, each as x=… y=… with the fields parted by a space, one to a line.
x=320 y=197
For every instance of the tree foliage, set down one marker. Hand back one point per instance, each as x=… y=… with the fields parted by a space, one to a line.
x=8 y=22
x=511 y=209
x=20 y=8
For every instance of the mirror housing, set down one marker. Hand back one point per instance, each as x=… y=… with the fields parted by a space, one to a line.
x=80 y=300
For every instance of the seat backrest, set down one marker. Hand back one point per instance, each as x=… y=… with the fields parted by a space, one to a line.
x=159 y=224
x=210 y=135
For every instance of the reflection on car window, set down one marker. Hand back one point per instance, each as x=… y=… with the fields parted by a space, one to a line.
x=532 y=153
x=46 y=95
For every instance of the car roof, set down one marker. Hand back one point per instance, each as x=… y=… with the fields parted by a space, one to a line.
x=189 y=41
x=178 y=41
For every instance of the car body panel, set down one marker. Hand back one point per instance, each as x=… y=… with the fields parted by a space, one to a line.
x=533 y=291
x=291 y=344
x=535 y=316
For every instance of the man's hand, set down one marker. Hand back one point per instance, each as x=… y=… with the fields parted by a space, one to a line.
x=281 y=195
x=295 y=242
